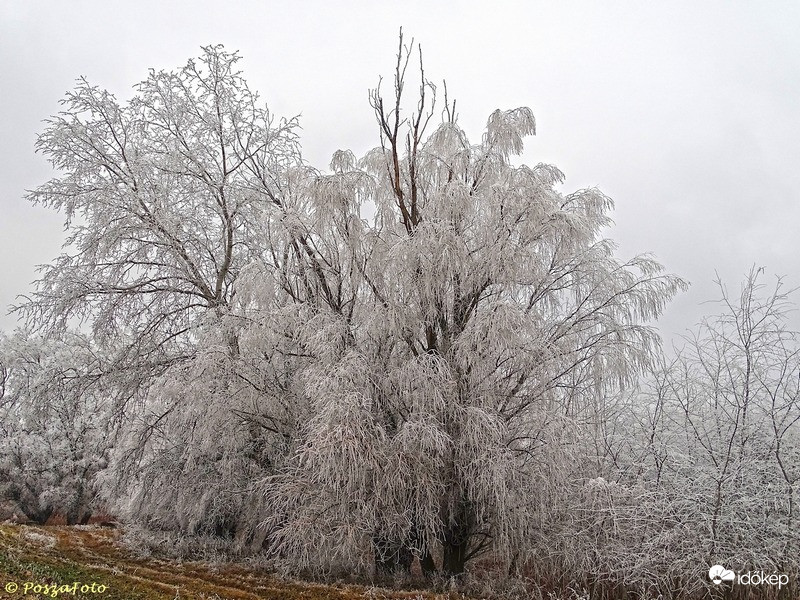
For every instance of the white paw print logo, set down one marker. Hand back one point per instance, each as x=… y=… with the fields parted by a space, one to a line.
x=718 y=574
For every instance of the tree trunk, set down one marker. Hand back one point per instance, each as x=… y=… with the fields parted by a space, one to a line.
x=457 y=538
x=77 y=513
x=455 y=558
x=428 y=565
x=391 y=557
x=39 y=516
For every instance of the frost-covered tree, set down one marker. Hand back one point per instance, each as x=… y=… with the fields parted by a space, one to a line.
x=56 y=422
x=168 y=197
x=164 y=196
x=457 y=341
x=699 y=465
x=729 y=426
x=212 y=427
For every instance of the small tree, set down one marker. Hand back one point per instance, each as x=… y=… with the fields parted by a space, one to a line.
x=707 y=454
x=734 y=390
x=56 y=427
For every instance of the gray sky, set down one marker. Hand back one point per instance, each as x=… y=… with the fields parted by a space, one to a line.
x=685 y=113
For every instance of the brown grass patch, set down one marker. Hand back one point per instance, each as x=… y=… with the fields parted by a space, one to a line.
x=61 y=555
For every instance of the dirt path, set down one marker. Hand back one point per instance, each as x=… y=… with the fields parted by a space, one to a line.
x=89 y=562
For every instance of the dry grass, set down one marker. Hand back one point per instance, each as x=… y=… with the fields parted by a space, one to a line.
x=63 y=555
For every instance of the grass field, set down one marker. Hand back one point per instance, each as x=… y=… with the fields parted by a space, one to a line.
x=89 y=562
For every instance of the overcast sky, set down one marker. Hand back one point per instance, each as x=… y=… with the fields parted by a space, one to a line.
x=687 y=114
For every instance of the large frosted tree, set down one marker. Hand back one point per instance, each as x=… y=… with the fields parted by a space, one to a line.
x=475 y=322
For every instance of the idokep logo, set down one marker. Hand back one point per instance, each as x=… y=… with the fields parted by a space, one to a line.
x=719 y=574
